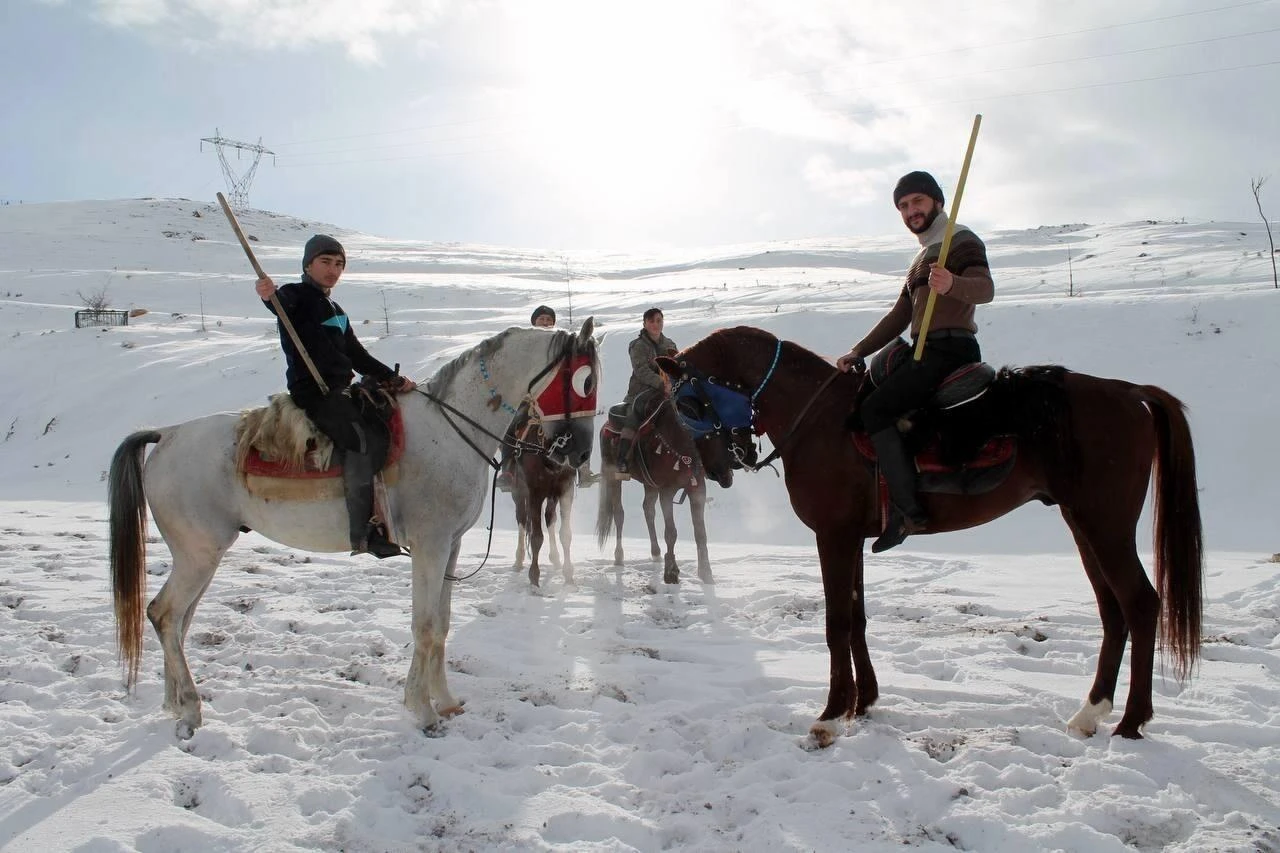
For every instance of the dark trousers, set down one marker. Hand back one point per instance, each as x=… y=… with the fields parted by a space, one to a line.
x=361 y=446
x=910 y=386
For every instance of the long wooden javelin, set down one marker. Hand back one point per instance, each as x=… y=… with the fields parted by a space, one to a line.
x=946 y=239
x=275 y=303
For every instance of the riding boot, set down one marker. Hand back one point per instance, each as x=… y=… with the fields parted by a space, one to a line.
x=367 y=536
x=625 y=445
x=906 y=516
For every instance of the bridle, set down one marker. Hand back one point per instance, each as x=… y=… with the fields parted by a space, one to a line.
x=733 y=409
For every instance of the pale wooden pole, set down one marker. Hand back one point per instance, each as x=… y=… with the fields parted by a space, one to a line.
x=946 y=239
x=275 y=303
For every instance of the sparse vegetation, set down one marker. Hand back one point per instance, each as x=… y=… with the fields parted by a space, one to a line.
x=96 y=300
x=1256 y=186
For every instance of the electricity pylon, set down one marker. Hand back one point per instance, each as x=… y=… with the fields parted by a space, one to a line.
x=237 y=188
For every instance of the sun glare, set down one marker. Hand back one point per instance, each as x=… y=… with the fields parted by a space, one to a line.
x=614 y=98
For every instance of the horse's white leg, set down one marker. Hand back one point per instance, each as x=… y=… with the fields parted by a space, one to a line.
x=650 y=501
x=566 y=534
x=431 y=597
x=521 y=539
x=196 y=555
x=697 y=509
x=438 y=682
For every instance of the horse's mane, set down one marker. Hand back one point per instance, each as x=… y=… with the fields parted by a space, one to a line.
x=443 y=378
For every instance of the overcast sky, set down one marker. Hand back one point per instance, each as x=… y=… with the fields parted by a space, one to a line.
x=595 y=124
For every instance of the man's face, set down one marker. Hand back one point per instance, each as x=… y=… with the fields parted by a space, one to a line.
x=545 y=321
x=325 y=270
x=918 y=211
x=653 y=326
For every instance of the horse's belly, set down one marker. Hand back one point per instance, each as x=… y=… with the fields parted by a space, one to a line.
x=307 y=525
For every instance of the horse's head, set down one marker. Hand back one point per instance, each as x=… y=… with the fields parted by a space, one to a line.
x=720 y=412
x=563 y=396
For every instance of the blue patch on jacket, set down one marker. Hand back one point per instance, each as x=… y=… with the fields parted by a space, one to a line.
x=339 y=322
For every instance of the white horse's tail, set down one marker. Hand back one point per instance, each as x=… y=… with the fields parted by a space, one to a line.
x=610 y=497
x=128 y=512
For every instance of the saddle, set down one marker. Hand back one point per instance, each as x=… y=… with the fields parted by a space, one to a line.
x=282 y=456
x=649 y=445
x=957 y=448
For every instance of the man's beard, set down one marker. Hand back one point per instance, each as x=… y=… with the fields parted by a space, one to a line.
x=929 y=219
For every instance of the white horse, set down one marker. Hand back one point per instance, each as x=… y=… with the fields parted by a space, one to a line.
x=451 y=430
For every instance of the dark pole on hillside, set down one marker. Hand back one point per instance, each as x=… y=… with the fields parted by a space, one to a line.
x=275 y=303
x=1256 y=186
x=568 y=285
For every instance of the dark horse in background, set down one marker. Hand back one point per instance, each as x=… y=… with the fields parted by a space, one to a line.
x=541 y=488
x=667 y=460
x=1085 y=443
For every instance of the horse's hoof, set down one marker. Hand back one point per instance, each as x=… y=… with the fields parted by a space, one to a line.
x=434 y=730
x=184 y=730
x=1128 y=732
x=452 y=711
x=821 y=735
x=706 y=577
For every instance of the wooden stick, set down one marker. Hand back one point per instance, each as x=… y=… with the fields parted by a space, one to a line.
x=946 y=239
x=275 y=303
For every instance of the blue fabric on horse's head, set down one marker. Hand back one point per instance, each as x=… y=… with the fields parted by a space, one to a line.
x=728 y=409
x=321 y=244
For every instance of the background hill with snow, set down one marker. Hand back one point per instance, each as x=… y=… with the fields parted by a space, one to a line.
x=620 y=714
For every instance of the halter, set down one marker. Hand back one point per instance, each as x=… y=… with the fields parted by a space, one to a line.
x=713 y=407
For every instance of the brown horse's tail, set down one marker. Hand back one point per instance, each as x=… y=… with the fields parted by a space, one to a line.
x=1179 y=547
x=128 y=513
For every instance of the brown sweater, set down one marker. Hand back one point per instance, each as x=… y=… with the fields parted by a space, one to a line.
x=967 y=260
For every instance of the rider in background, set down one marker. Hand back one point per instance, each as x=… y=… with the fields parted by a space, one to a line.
x=645 y=379
x=543 y=317
x=326 y=335
x=951 y=341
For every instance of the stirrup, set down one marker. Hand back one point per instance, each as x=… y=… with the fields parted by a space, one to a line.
x=376 y=543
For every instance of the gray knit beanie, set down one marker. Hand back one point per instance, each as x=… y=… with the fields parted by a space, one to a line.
x=321 y=244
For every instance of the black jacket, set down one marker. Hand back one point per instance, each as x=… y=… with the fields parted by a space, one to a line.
x=325 y=332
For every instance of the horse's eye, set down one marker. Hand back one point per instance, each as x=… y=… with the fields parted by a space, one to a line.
x=584 y=381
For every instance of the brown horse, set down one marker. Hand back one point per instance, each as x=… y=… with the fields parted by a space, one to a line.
x=667 y=459
x=1085 y=443
x=540 y=487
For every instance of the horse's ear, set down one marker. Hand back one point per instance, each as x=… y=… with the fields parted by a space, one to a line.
x=669 y=366
x=588 y=326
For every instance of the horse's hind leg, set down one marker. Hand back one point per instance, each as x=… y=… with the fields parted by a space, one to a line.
x=171 y=612
x=1126 y=603
x=697 y=509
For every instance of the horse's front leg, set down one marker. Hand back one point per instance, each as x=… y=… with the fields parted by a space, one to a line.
x=650 y=517
x=535 y=546
x=866 y=684
x=425 y=688
x=566 y=533
x=549 y=526
x=697 y=509
x=836 y=553
x=670 y=568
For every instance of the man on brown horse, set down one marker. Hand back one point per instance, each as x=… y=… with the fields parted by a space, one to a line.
x=950 y=342
x=326 y=334
x=543 y=317
x=646 y=378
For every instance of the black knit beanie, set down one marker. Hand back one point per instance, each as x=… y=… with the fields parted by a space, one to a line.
x=539 y=311
x=321 y=244
x=918 y=182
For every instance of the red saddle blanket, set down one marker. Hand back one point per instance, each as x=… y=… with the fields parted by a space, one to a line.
x=257 y=466
x=996 y=451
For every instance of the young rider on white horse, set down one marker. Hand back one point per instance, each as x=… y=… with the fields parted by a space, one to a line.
x=326 y=334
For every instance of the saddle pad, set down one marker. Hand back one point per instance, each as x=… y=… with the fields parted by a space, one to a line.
x=256 y=466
